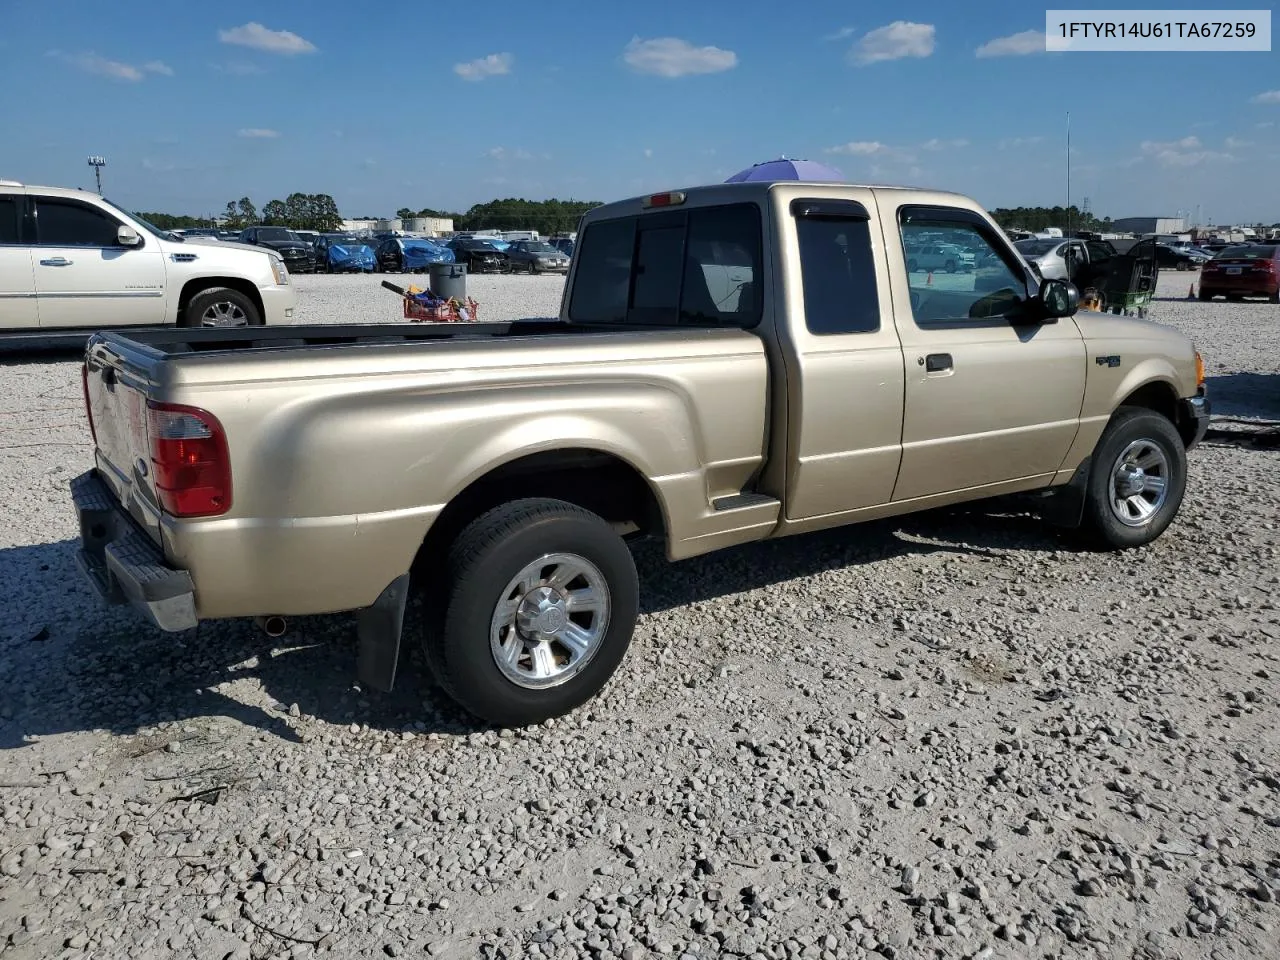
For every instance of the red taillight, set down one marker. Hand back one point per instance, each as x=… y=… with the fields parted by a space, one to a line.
x=88 y=410
x=671 y=199
x=189 y=461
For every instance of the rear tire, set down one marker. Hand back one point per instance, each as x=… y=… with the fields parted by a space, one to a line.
x=1137 y=480
x=221 y=307
x=521 y=568
x=1205 y=296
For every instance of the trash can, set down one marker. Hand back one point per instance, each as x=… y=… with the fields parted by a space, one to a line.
x=449 y=280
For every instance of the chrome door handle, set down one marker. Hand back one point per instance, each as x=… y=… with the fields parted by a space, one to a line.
x=56 y=262
x=937 y=362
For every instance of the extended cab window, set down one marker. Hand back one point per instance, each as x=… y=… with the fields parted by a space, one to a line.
x=9 y=232
x=974 y=283
x=698 y=266
x=837 y=267
x=69 y=223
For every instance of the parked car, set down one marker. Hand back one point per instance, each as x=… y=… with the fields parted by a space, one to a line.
x=1245 y=270
x=1169 y=257
x=536 y=256
x=480 y=255
x=1079 y=261
x=503 y=464
x=564 y=245
x=72 y=261
x=936 y=257
x=344 y=253
x=298 y=257
x=410 y=254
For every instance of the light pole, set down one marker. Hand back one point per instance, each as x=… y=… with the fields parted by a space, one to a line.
x=98 y=163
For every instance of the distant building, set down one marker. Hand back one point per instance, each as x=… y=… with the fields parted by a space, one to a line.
x=1141 y=225
x=431 y=226
x=358 y=226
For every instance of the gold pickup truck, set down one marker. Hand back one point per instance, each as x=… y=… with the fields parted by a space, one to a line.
x=730 y=363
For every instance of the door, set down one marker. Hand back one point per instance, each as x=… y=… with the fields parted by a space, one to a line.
x=84 y=277
x=989 y=396
x=844 y=362
x=18 y=309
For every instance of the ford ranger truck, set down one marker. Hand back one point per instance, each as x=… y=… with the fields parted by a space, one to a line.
x=731 y=363
x=72 y=262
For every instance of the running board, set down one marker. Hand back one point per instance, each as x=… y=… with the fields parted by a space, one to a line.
x=742 y=501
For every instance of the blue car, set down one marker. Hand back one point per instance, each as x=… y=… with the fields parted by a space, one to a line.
x=410 y=254
x=343 y=253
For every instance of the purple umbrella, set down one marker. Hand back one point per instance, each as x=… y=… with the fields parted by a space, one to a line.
x=784 y=169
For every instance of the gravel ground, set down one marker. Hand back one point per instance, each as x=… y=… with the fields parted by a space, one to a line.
x=954 y=735
x=347 y=298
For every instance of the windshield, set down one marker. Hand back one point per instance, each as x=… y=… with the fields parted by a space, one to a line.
x=347 y=241
x=1036 y=248
x=476 y=245
x=1248 y=252
x=533 y=247
x=275 y=233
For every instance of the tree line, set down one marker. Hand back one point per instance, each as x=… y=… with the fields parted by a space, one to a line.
x=319 y=211
x=1036 y=219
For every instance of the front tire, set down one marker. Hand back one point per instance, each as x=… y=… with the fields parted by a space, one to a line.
x=540 y=612
x=221 y=307
x=1137 y=480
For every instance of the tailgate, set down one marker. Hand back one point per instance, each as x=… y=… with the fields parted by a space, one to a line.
x=116 y=394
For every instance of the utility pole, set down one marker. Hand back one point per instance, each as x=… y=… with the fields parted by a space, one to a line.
x=98 y=163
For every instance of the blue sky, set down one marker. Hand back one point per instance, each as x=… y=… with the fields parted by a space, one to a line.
x=387 y=105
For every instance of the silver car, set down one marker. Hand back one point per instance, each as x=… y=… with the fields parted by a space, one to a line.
x=1050 y=255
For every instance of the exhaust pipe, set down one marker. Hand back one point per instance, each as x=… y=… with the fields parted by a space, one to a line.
x=273 y=626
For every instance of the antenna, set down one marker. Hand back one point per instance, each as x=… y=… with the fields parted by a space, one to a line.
x=1068 y=173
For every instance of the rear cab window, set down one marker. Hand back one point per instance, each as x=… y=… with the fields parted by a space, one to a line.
x=697 y=267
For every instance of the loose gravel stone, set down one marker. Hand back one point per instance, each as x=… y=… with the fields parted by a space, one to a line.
x=954 y=735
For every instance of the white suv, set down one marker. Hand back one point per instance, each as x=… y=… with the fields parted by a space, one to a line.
x=70 y=260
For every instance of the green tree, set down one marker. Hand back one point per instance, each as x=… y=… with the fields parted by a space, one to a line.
x=274 y=214
x=232 y=216
x=404 y=213
x=248 y=212
x=324 y=213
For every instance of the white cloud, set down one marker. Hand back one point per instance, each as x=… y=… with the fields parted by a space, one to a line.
x=99 y=66
x=936 y=144
x=672 y=57
x=648 y=152
x=1271 y=96
x=1186 y=152
x=1014 y=45
x=257 y=133
x=158 y=66
x=844 y=33
x=1264 y=125
x=1235 y=143
x=523 y=155
x=898 y=40
x=494 y=65
x=1013 y=143
x=859 y=148
x=258 y=37
x=496 y=153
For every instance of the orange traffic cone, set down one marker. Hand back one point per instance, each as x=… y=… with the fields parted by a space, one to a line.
x=1191 y=292
x=928 y=282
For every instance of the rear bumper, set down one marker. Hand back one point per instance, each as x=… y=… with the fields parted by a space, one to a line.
x=123 y=564
x=1195 y=414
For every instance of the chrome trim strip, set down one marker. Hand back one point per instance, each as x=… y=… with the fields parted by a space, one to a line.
x=101 y=296
x=17 y=296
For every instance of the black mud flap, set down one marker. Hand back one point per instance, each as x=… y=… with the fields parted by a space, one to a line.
x=379 y=628
x=1065 y=507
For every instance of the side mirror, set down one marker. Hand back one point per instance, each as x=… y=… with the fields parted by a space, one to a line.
x=1058 y=298
x=128 y=237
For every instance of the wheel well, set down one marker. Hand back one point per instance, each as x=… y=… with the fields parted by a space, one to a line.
x=1161 y=398
x=1156 y=396
x=193 y=288
x=595 y=481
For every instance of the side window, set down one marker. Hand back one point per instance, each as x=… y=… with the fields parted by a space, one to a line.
x=68 y=223
x=838 y=275
x=1098 y=250
x=10 y=231
x=986 y=287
